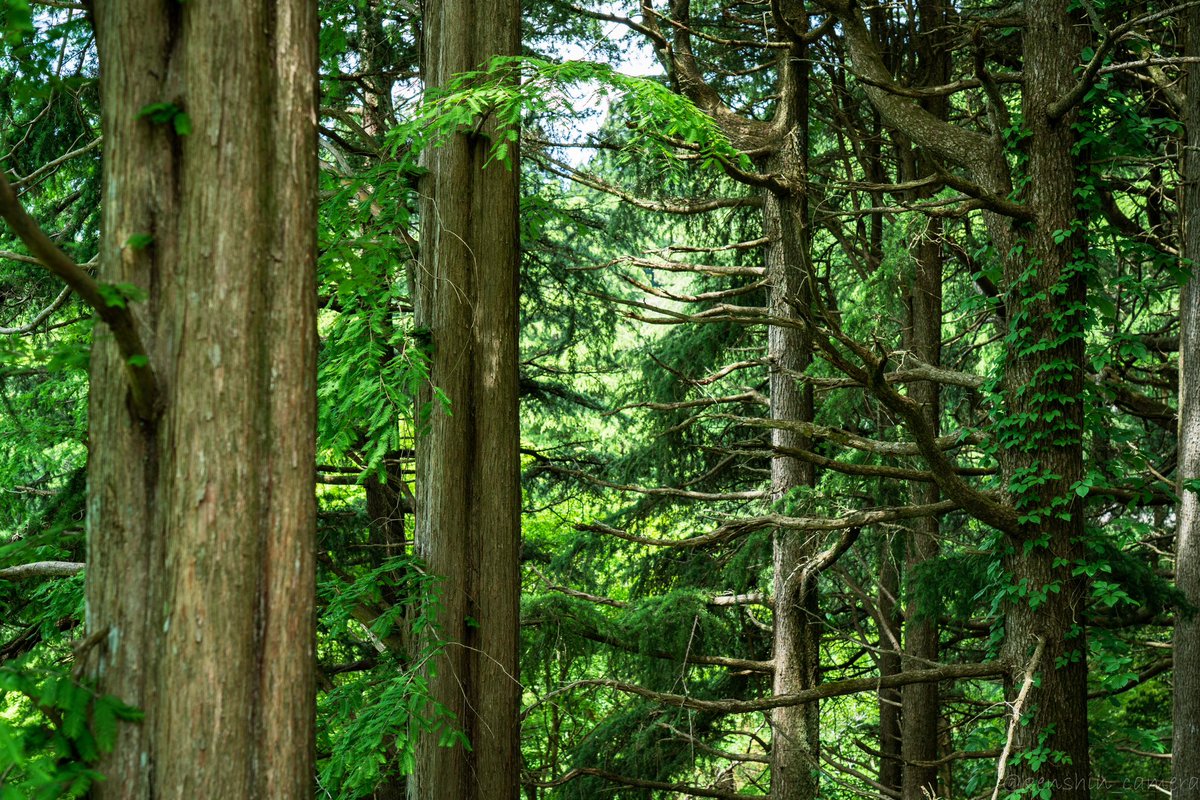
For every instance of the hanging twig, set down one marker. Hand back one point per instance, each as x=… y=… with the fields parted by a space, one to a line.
x=1018 y=707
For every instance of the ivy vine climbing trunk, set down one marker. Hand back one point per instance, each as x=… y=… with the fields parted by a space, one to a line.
x=1185 y=747
x=201 y=515
x=1041 y=434
x=469 y=499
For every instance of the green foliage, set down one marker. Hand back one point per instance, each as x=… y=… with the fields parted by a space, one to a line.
x=370 y=718
x=62 y=727
x=494 y=101
x=167 y=114
x=16 y=21
x=119 y=295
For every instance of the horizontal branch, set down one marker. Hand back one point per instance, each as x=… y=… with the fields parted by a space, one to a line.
x=42 y=315
x=749 y=397
x=654 y=491
x=641 y=783
x=846 y=438
x=50 y=166
x=740 y=527
x=41 y=569
x=673 y=205
x=142 y=382
x=987 y=669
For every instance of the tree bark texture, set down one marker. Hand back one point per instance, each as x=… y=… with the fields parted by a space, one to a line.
x=469 y=501
x=201 y=520
x=795 y=731
x=1043 y=391
x=1185 y=748
x=921 y=702
x=890 y=622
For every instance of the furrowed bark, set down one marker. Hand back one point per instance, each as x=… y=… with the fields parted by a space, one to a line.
x=1044 y=375
x=920 y=702
x=795 y=730
x=201 y=521
x=468 y=509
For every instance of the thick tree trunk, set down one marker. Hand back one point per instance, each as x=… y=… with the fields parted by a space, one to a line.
x=469 y=500
x=1185 y=748
x=1043 y=383
x=201 y=521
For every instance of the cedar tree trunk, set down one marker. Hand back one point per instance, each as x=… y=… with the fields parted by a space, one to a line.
x=469 y=497
x=795 y=730
x=201 y=520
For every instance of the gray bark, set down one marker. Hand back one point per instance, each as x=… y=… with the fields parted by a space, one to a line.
x=795 y=731
x=1185 y=748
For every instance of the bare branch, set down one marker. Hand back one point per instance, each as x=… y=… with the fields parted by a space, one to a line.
x=142 y=382
x=673 y=205
x=1018 y=708
x=42 y=315
x=987 y=669
x=740 y=527
x=41 y=569
x=50 y=166
x=677 y=788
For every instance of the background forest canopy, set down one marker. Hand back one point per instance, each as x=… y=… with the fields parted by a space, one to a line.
x=859 y=431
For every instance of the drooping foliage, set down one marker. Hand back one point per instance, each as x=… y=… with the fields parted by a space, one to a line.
x=650 y=308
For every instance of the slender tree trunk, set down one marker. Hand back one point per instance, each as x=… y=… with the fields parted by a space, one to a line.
x=201 y=521
x=1185 y=748
x=469 y=501
x=795 y=745
x=921 y=701
x=891 y=769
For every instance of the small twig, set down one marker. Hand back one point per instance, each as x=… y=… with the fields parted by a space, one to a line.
x=1022 y=696
x=81 y=647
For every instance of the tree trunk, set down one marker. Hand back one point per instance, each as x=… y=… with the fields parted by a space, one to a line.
x=795 y=730
x=891 y=768
x=1042 y=436
x=1185 y=748
x=469 y=498
x=921 y=701
x=201 y=521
